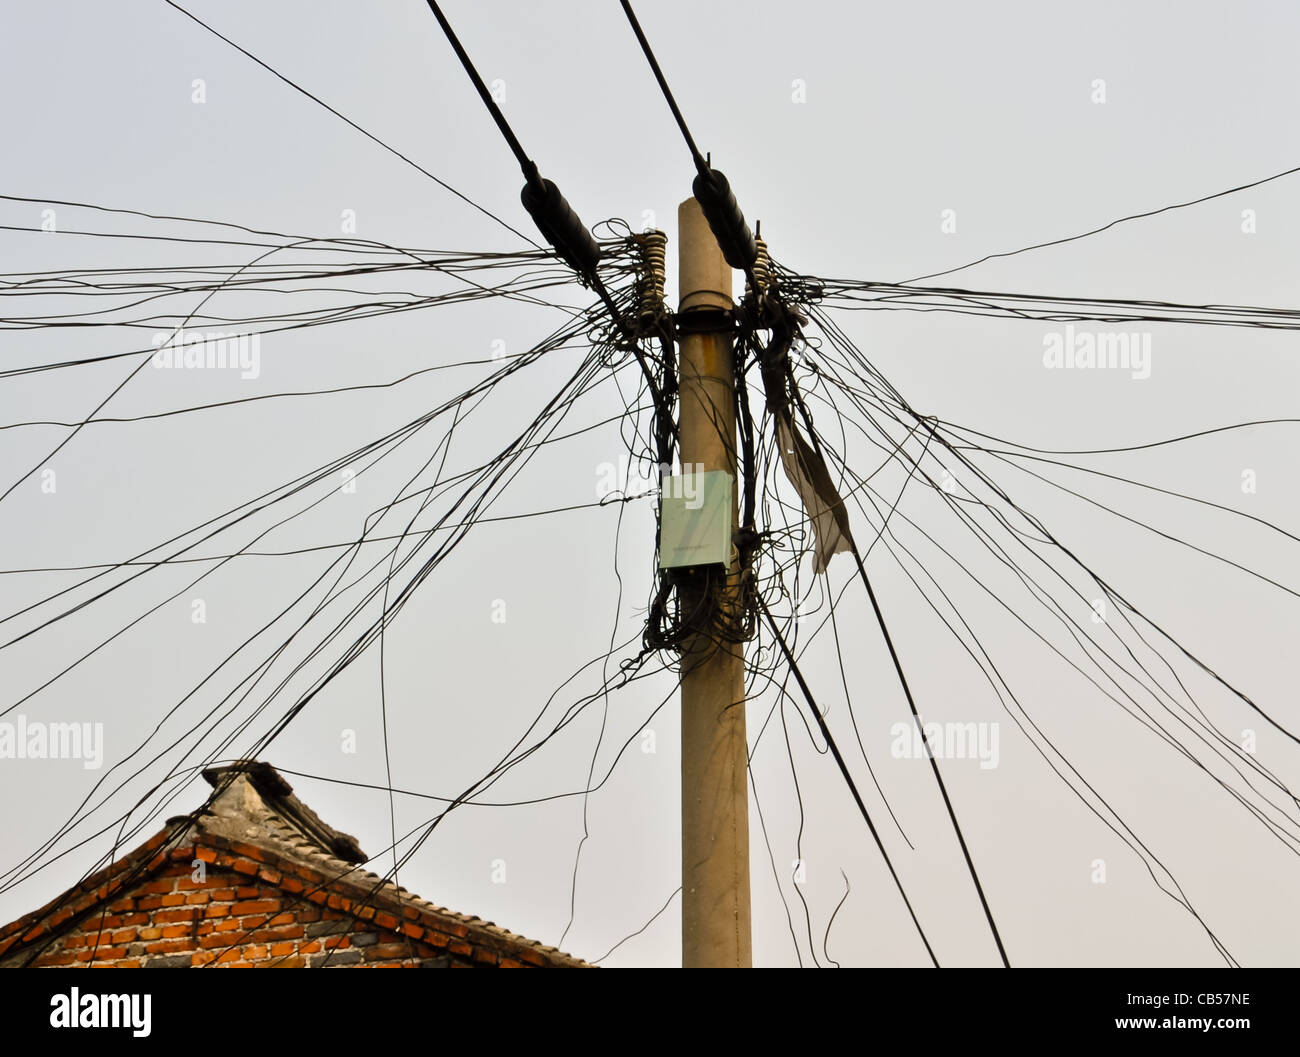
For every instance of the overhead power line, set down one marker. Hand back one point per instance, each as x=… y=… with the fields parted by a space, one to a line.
x=844 y=771
x=865 y=295
x=553 y=215
x=1107 y=227
x=711 y=188
x=558 y=222
x=343 y=117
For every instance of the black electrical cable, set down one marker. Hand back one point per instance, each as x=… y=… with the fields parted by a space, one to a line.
x=653 y=918
x=541 y=198
x=710 y=187
x=555 y=218
x=701 y=164
x=1107 y=227
x=907 y=691
x=844 y=770
x=1002 y=557
x=347 y=120
x=923 y=567
x=525 y=162
x=387 y=616
x=874 y=296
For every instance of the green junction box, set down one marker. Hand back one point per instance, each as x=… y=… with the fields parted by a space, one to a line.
x=696 y=512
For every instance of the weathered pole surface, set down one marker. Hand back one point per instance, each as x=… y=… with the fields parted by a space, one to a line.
x=715 y=800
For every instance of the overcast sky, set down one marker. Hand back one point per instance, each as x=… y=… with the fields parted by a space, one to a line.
x=874 y=142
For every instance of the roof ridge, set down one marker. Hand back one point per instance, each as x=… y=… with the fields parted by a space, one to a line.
x=391 y=896
x=274 y=824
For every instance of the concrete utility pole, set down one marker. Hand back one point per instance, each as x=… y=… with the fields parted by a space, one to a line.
x=715 y=800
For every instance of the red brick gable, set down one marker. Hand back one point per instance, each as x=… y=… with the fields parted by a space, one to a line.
x=193 y=896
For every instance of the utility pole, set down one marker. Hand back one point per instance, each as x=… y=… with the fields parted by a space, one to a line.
x=715 y=795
